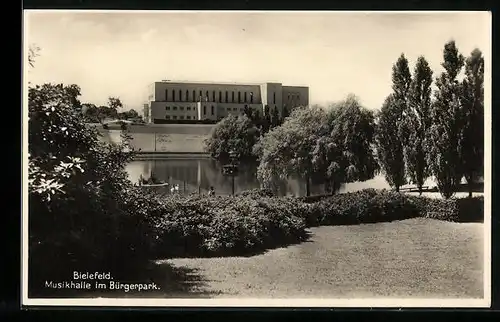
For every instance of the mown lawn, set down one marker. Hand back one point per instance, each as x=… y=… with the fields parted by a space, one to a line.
x=418 y=258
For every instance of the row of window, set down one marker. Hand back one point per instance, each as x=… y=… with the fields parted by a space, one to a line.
x=293 y=97
x=181 y=117
x=181 y=108
x=188 y=108
x=177 y=96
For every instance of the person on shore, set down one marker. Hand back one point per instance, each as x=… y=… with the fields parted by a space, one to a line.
x=211 y=192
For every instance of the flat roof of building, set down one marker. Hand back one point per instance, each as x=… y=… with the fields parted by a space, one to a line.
x=176 y=81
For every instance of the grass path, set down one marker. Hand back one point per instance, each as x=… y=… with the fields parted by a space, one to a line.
x=418 y=258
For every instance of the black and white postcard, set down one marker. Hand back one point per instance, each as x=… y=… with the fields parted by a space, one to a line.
x=256 y=159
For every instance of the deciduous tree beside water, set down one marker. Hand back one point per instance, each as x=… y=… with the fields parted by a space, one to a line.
x=286 y=150
x=313 y=143
x=233 y=133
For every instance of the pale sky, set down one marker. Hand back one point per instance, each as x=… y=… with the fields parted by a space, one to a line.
x=334 y=53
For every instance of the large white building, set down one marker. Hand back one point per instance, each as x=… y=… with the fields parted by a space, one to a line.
x=179 y=100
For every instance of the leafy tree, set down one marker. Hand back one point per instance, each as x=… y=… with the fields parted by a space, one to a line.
x=74 y=92
x=286 y=112
x=472 y=147
x=248 y=112
x=389 y=143
x=92 y=113
x=115 y=104
x=286 y=150
x=417 y=122
x=275 y=118
x=345 y=154
x=266 y=120
x=81 y=201
x=401 y=79
x=236 y=133
x=445 y=140
x=130 y=114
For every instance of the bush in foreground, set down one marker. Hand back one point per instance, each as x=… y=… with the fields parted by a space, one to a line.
x=225 y=225
x=83 y=211
x=454 y=209
x=255 y=220
x=370 y=206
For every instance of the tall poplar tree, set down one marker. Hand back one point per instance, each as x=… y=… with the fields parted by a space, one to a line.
x=472 y=148
x=417 y=123
x=389 y=143
x=390 y=137
x=444 y=144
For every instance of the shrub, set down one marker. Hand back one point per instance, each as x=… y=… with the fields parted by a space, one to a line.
x=454 y=209
x=370 y=206
x=225 y=225
x=365 y=206
x=84 y=213
x=257 y=193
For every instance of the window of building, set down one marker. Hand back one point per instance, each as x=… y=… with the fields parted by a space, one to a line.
x=239 y=97
x=180 y=96
x=167 y=117
x=166 y=95
x=206 y=96
x=187 y=95
x=188 y=108
x=213 y=110
x=213 y=96
x=274 y=98
x=226 y=97
x=188 y=117
x=181 y=108
x=245 y=97
x=251 y=97
x=173 y=96
x=220 y=96
x=232 y=97
x=194 y=96
x=182 y=117
x=201 y=95
x=175 y=108
x=204 y=109
x=167 y=108
x=174 y=117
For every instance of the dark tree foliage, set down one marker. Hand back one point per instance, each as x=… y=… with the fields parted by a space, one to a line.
x=389 y=143
x=81 y=213
x=417 y=123
x=233 y=133
x=445 y=135
x=472 y=148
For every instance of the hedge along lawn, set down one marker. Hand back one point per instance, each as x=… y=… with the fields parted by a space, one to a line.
x=410 y=258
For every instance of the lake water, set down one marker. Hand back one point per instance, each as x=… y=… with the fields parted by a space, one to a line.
x=194 y=174
x=199 y=174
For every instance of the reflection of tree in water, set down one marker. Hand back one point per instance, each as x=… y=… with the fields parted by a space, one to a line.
x=201 y=174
